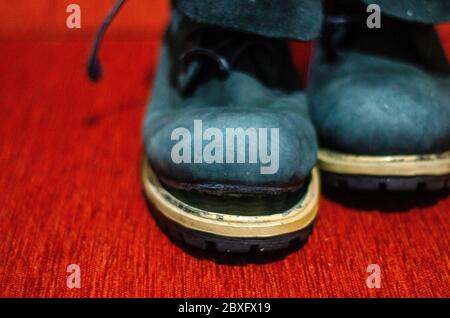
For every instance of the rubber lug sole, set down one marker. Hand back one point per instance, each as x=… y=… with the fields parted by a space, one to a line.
x=231 y=232
x=385 y=173
x=380 y=183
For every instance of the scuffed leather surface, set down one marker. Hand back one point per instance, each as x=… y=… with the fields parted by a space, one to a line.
x=425 y=11
x=371 y=104
x=294 y=19
x=239 y=101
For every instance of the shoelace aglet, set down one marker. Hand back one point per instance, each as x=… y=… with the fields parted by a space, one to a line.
x=94 y=68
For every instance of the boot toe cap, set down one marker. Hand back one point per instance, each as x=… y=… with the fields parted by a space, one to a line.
x=384 y=115
x=289 y=165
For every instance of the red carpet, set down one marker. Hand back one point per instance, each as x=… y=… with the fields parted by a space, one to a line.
x=70 y=154
x=69 y=159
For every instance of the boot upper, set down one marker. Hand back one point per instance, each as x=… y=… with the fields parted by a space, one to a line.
x=257 y=91
x=380 y=91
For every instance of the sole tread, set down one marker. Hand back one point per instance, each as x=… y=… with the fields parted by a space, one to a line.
x=214 y=243
x=386 y=184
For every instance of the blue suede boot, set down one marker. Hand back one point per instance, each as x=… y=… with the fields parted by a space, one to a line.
x=230 y=148
x=380 y=97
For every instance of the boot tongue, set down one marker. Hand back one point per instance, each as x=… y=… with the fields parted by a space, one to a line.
x=202 y=52
x=287 y=19
x=416 y=43
x=429 y=12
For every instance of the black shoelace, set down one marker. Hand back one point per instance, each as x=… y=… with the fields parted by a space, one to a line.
x=94 y=66
x=201 y=52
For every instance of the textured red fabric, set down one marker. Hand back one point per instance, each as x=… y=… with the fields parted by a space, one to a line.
x=69 y=157
x=70 y=154
x=46 y=19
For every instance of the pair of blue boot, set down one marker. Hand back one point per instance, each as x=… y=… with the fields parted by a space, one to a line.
x=232 y=153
